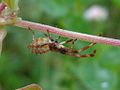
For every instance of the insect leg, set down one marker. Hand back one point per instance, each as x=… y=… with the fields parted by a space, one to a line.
x=56 y=40
x=33 y=34
x=48 y=35
x=85 y=55
x=69 y=41
x=73 y=43
x=86 y=47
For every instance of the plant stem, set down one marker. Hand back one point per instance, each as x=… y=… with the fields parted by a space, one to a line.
x=2 y=7
x=66 y=33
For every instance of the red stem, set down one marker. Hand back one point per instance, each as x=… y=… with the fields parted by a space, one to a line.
x=66 y=33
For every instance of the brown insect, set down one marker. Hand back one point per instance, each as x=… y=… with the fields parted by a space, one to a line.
x=46 y=44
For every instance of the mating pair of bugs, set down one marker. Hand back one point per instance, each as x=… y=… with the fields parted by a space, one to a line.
x=45 y=44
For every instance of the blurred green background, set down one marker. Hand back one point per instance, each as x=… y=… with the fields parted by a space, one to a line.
x=54 y=71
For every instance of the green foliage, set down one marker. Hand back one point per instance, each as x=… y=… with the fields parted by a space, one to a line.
x=116 y=2
x=12 y=4
x=53 y=71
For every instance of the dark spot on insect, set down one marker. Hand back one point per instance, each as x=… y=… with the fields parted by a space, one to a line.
x=91 y=55
x=52 y=40
x=75 y=51
x=63 y=50
x=94 y=51
x=56 y=41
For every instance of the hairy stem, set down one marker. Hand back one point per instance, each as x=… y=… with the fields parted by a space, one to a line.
x=66 y=33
